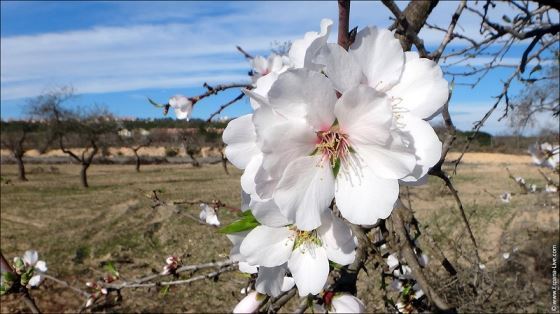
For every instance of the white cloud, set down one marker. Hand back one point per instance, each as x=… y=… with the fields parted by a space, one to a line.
x=196 y=43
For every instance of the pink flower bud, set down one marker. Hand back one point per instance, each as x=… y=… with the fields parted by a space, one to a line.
x=90 y=302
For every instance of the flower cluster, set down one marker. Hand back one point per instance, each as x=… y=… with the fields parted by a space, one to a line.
x=208 y=215
x=545 y=155
x=172 y=263
x=329 y=126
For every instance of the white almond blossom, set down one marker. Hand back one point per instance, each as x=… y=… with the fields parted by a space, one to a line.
x=31 y=259
x=208 y=215
x=550 y=188
x=305 y=254
x=505 y=197
x=545 y=155
x=182 y=106
x=250 y=303
x=346 y=303
x=304 y=132
x=415 y=85
x=261 y=66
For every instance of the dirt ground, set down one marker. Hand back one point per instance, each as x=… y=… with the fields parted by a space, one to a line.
x=77 y=230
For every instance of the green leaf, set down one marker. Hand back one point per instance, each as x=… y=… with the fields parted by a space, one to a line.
x=155 y=104
x=111 y=269
x=335 y=265
x=247 y=222
x=336 y=167
x=163 y=292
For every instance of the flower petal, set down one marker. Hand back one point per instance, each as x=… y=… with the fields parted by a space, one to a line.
x=249 y=304
x=240 y=138
x=303 y=50
x=182 y=106
x=266 y=246
x=340 y=66
x=284 y=143
x=30 y=257
x=365 y=115
x=41 y=266
x=302 y=93
x=35 y=281
x=309 y=267
x=363 y=197
x=270 y=280
x=248 y=176
x=427 y=146
x=393 y=161
x=422 y=88
x=346 y=303
x=380 y=55
x=337 y=239
x=247 y=268
x=267 y=213
x=236 y=239
x=288 y=283
x=305 y=191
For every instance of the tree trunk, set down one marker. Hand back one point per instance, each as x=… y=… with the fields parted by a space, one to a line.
x=194 y=161
x=83 y=175
x=21 y=168
x=137 y=161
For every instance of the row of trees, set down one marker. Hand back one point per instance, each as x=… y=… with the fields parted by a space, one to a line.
x=83 y=134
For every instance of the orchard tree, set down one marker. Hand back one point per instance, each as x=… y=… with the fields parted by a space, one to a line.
x=86 y=129
x=19 y=137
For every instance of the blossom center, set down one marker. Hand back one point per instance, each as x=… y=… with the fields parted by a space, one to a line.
x=304 y=237
x=332 y=145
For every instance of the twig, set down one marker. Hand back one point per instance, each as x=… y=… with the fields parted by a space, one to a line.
x=174 y=282
x=224 y=106
x=245 y=53
x=344 y=23
x=449 y=35
x=213 y=90
x=412 y=261
x=439 y=173
x=67 y=285
x=221 y=264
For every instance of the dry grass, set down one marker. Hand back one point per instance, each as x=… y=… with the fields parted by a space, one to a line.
x=76 y=230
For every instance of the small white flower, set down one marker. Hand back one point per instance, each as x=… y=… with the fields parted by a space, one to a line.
x=182 y=106
x=505 y=197
x=346 y=303
x=550 y=189
x=520 y=180
x=403 y=272
x=90 y=302
x=392 y=261
x=482 y=266
x=272 y=64
x=305 y=254
x=31 y=259
x=545 y=155
x=506 y=255
x=533 y=188
x=250 y=303
x=423 y=260
x=208 y=215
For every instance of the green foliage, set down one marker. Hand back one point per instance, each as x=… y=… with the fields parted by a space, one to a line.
x=247 y=222
x=171 y=151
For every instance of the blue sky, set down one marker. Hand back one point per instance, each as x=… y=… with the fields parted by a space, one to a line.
x=117 y=53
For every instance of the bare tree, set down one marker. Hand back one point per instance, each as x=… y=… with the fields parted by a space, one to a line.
x=83 y=128
x=135 y=140
x=18 y=138
x=191 y=143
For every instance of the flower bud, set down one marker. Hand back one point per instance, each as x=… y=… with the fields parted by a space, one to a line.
x=250 y=303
